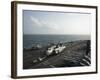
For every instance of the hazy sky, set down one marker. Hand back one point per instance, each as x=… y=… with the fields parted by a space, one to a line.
x=42 y=22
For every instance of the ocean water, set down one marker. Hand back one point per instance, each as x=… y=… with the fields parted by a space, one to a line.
x=30 y=40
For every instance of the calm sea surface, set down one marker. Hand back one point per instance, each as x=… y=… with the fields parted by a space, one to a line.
x=29 y=40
